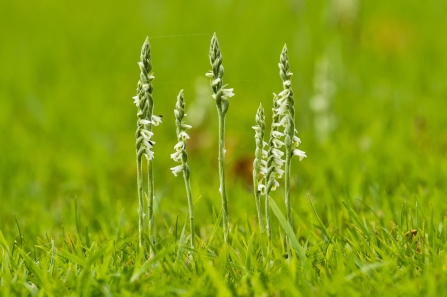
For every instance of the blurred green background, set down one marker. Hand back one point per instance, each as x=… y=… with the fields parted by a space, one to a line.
x=369 y=82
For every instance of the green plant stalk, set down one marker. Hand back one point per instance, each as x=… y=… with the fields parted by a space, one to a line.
x=289 y=132
x=181 y=156
x=140 y=201
x=222 y=175
x=190 y=203
x=267 y=216
x=257 y=164
x=221 y=95
x=270 y=168
x=288 y=165
x=258 y=203
x=150 y=188
x=150 y=206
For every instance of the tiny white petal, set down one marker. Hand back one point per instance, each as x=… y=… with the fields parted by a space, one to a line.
x=145 y=122
x=228 y=93
x=277 y=134
x=156 y=120
x=282 y=109
x=261 y=188
x=149 y=155
x=264 y=153
x=279 y=171
x=176 y=169
x=136 y=100
x=275 y=185
x=277 y=143
x=209 y=74
x=299 y=153
x=146 y=134
x=179 y=146
x=177 y=156
x=183 y=135
x=185 y=126
x=215 y=82
x=277 y=152
x=284 y=93
x=296 y=141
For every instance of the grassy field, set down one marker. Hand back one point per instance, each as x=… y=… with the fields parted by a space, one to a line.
x=369 y=200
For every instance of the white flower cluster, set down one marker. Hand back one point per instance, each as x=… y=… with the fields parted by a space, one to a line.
x=275 y=154
x=225 y=93
x=282 y=111
x=144 y=128
x=260 y=164
x=180 y=148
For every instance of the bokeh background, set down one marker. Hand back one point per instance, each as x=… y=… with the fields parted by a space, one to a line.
x=369 y=82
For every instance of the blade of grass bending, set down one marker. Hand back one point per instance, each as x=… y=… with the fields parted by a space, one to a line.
x=148 y=263
x=292 y=237
x=356 y=219
x=323 y=228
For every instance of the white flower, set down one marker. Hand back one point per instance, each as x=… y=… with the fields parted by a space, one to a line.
x=264 y=154
x=284 y=93
x=149 y=154
x=261 y=188
x=156 y=120
x=287 y=83
x=278 y=162
x=299 y=153
x=177 y=156
x=185 y=126
x=145 y=122
x=296 y=141
x=277 y=134
x=277 y=153
x=275 y=185
x=179 y=146
x=146 y=134
x=148 y=143
x=263 y=170
x=215 y=82
x=279 y=172
x=282 y=122
x=281 y=109
x=209 y=74
x=277 y=143
x=136 y=100
x=176 y=169
x=183 y=135
x=227 y=93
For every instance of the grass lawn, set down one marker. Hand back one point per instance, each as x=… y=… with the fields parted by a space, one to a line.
x=369 y=201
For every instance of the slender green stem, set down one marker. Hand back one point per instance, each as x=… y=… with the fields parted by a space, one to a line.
x=267 y=216
x=222 y=174
x=150 y=193
x=287 y=195
x=190 y=204
x=258 y=203
x=220 y=95
x=140 y=201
